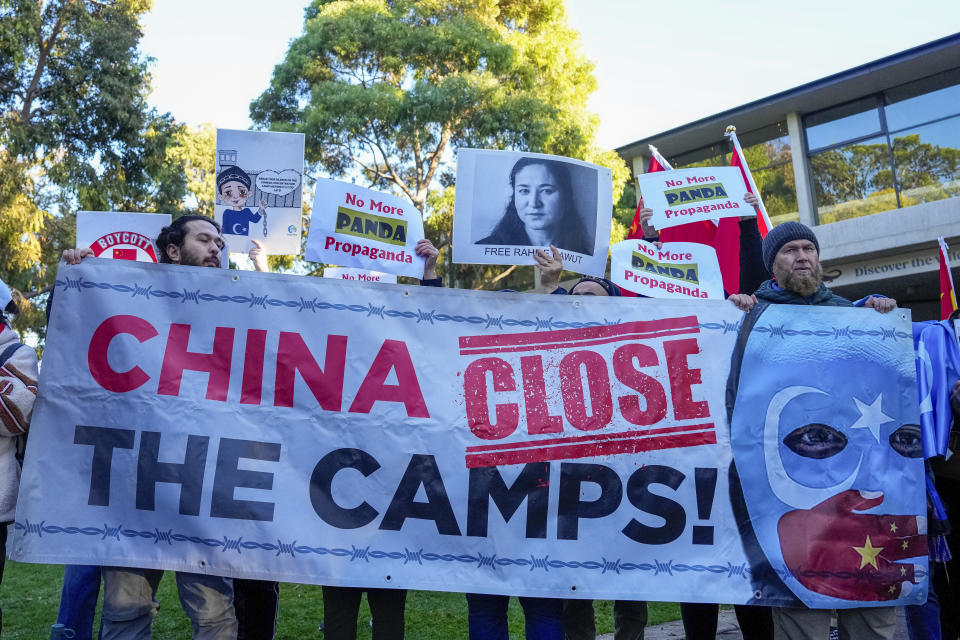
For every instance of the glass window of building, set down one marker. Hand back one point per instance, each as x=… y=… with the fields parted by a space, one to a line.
x=709 y=156
x=843 y=123
x=902 y=151
x=925 y=100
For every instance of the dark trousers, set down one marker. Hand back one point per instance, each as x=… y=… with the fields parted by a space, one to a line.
x=3 y=559
x=946 y=576
x=543 y=617
x=629 y=620
x=700 y=621
x=341 y=605
x=255 y=605
x=78 y=599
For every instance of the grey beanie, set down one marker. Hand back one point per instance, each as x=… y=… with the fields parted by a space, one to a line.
x=781 y=235
x=233 y=174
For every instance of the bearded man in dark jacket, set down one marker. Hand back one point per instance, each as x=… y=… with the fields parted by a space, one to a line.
x=791 y=253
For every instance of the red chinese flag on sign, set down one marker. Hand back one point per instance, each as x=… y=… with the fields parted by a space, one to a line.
x=948 y=295
x=124 y=254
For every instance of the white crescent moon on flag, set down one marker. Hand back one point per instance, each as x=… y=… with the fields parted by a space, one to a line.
x=783 y=486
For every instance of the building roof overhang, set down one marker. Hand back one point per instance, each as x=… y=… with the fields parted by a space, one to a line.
x=878 y=75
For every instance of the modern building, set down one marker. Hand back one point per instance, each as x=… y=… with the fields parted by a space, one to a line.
x=869 y=157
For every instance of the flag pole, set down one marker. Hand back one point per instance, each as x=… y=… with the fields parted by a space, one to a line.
x=731 y=133
x=659 y=158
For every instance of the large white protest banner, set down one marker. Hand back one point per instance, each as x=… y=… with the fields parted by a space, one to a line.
x=121 y=236
x=679 y=270
x=683 y=196
x=358 y=227
x=291 y=428
x=508 y=204
x=259 y=190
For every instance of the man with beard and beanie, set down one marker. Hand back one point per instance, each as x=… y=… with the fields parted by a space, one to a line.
x=791 y=255
x=129 y=594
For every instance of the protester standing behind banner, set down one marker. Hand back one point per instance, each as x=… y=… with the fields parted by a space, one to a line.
x=18 y=390
x=629 y=616
x=341 y=605
x=543 y=617
x=793 y=515
x=129 y=594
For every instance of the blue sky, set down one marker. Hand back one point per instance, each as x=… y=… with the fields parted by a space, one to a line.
x=658 y=64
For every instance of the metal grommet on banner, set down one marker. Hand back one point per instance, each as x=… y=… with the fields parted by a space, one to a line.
x=757 y=595
x=235 y=278
x=389 y=578
x=406 y=293
x=573 y=588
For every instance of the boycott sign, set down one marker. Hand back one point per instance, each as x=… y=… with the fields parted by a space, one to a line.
x=363 y=228
x=360 y=275
x=121 y=236
x=681 y=270
x=289 y=428
x=683 y=196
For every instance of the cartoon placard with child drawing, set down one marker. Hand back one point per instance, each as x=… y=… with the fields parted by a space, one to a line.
x=259 y=177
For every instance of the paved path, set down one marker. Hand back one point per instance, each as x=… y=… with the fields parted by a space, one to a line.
x=727 y=629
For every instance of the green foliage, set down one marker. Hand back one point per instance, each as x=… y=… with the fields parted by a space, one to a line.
x=75 y=129
x=76 y=133
x=388 y=90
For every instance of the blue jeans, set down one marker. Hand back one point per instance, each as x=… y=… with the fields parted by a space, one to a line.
x=923 y=620
x=129 y=604
x=543 y=617
x=78 y=599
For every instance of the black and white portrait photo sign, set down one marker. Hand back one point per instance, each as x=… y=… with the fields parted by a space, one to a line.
x=509 y=204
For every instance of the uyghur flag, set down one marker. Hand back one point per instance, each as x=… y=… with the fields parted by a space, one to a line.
x=948 y=295
x=938 y=368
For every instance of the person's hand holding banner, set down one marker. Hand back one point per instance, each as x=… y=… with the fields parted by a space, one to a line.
x=356 y=227
x=679 y=270
x=691 y=195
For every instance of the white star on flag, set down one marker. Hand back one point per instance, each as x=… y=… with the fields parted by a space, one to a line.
x=871 y=416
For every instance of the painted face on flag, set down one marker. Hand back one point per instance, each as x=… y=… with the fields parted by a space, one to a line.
x=827 y=446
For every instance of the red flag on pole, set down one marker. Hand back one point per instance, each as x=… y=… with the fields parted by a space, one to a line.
x=738 y=160
x=948 y=295
x=657 y=163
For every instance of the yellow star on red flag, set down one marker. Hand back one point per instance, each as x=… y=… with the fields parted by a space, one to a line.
x=868 y=554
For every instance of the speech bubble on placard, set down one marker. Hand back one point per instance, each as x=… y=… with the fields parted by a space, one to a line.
x=278 y=183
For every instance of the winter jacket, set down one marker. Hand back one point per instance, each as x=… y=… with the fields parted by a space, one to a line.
x=768 y=292
x=18 y=390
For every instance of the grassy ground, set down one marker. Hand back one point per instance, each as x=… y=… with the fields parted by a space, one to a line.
x=30 y=595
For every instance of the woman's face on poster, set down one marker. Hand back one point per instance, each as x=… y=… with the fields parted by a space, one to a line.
x=537 y=197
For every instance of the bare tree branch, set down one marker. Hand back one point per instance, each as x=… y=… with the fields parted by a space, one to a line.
x=497 y=279
x=45 y=48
